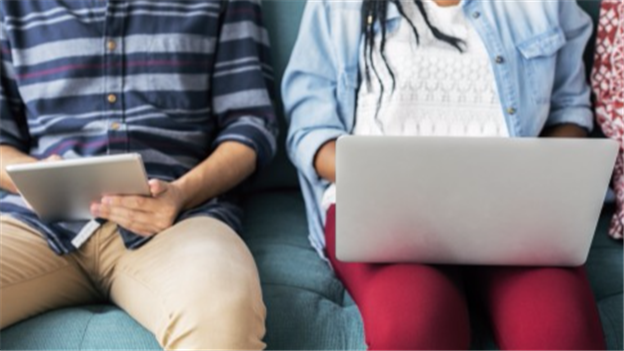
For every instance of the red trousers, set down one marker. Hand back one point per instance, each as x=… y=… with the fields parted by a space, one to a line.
x=414 y=306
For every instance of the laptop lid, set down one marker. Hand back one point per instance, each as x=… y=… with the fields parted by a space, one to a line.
x=477 y=201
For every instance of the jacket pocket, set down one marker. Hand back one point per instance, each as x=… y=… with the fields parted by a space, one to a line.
x=539 y=61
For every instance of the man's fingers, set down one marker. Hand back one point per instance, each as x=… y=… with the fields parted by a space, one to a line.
x=157 y=187
x=137 y=203
x=106 y=211
x=52 y=158
x=134 y=221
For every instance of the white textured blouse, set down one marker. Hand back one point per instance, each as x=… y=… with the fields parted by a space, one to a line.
x=439 y=91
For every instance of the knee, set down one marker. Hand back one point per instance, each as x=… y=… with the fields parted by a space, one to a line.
x=553 y=332
x=565 y=336
x=568 y=317
x=227 y=315
x=401 y=331
x=419 y=311
x=217 y=299
x=414 y=326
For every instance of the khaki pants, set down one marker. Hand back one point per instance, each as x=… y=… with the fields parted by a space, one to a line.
x=195 y=285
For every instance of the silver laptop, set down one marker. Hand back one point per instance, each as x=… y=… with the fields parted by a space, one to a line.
x=474 y=201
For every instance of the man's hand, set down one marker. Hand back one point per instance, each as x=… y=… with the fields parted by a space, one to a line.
x=143 y=215
x=226 y=167
x=52 y=158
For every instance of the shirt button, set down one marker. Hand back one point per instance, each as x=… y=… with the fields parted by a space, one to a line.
x=511 y=111
x=111 y=45
x=499 y=59
x=115 y=126
x=112 y=98
x=476 y=14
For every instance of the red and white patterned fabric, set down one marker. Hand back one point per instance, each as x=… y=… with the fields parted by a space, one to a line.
x=608 y=84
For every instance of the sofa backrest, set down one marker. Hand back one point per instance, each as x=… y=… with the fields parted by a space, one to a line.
x=592 y=7
x=282 y=19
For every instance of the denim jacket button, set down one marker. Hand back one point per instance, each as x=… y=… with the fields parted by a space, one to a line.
x=512 y=111
x=476 y=14
x=500 y=59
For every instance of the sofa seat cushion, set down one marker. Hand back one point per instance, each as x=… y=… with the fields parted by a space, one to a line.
x=308 y=307
x=605 y=269
x=97 y=327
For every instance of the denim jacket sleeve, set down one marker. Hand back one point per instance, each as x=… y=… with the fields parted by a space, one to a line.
x=309 y=90
x=570 y=101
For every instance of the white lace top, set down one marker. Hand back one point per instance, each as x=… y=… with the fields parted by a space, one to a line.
x=439 y=91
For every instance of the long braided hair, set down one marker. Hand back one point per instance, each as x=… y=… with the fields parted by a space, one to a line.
x=374 y=11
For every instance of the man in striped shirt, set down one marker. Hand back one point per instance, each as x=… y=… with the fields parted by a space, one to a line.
x=186 y=85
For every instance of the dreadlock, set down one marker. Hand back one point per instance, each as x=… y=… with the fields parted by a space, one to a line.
x=374 y=11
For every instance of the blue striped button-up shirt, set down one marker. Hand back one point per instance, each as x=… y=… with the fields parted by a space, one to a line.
x=169 y=80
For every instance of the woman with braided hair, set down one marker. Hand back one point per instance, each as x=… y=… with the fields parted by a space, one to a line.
x=441 y=68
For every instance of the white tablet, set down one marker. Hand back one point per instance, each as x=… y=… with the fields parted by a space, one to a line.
x=64 y=190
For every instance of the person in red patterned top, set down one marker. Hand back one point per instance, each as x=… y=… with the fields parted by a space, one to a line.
x=608 y=84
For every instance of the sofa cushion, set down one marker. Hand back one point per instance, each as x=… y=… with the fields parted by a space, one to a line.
x=308 y=307
x=605 y=265
x=79 y=328
x=605 y=268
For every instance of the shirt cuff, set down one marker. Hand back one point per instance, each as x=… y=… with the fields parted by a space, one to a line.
x=581 y=116
x=13 y=142
x=310 y=145
x=251 y=131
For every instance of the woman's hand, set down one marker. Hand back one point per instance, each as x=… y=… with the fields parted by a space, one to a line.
x=143 y=215
x=325 y=161
x=565 y=131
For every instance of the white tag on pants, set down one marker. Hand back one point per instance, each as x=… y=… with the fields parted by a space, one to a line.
x=87 y=231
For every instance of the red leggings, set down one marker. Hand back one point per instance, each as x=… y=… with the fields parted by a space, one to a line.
x=412 y=306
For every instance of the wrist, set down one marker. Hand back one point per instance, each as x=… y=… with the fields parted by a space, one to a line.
x=182 y=195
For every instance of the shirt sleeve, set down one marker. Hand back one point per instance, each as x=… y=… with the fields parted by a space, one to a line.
x=571 y=102
x=309 y=90
x=242 y=80
x=13 y=126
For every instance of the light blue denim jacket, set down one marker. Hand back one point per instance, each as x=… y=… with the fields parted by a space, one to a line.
x=536 y=50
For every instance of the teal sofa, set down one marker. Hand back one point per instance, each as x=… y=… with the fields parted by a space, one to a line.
x=308 y=308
